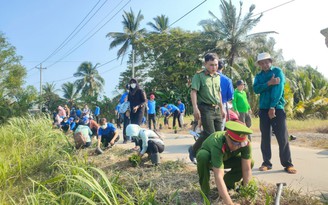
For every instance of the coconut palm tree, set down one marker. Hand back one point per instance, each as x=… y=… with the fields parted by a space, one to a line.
x=70 y=92
x=132 y=32
x=161 y=24
x=231 y=30
x=89 y=82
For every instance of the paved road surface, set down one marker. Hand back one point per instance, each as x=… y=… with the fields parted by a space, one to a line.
x=311 y=164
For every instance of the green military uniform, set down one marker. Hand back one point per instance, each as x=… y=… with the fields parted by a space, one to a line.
x=208 y=98
x=215 y=152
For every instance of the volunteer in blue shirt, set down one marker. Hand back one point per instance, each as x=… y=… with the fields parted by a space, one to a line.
x=97 y=113
x=269 y=83
x=166 y=113
x=182 y=109
x=226 y=91
x=151 y=111
x=107 y=134
x=176 y=113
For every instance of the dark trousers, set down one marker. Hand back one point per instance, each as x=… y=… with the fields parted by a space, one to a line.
x=136 y=117
x=278 y=125
x=152 y=148
x=176 y=116
x=126 y=122
x=105 y=139
x=152 y=117
x=230 y=178
x=211 y=121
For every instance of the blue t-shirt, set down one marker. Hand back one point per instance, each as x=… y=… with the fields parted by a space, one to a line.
x=109 y=129
x=79 y=113
x=123 y=97
x=181 y=107
x=172 y=108
x=151 y=107
x=117 y=108
x=226 y=88
x=97 y=111
x=165 y=111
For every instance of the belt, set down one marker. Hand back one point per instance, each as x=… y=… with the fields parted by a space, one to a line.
x=209 y=105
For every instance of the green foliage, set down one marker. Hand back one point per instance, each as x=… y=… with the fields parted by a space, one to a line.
x=250 y=191
x=135 y=160
x=89 y=81
x=29 y=146
x=14 y=99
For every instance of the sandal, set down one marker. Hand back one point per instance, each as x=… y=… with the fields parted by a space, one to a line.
x=290 y=170
x=264 y=168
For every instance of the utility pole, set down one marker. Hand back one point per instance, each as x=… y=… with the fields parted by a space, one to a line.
x=40 y=68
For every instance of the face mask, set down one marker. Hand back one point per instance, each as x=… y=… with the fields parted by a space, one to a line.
x=133 y=85
x=103 y=126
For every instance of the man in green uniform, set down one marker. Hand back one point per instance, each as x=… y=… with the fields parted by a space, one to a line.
x=225 y=149
x=206 y=100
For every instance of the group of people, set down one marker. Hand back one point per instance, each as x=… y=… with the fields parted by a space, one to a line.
x=224 y=142
x=224 y=145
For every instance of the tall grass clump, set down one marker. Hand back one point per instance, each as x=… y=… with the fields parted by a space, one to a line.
x=29 y=146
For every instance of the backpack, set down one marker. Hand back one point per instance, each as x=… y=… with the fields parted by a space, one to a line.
x=79 y=140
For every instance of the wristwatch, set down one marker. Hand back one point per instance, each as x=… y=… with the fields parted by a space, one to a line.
x=272 y=108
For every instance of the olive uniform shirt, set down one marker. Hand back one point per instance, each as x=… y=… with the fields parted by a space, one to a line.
x=207 y=87
x=216 y=144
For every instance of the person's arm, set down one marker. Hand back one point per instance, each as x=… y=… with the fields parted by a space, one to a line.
x=112 y=142
x=99 y=141
x=221 y=186
x=193 y=95
x=259 y=87
x=144 y=139
x=223 y=114
x=246 y=170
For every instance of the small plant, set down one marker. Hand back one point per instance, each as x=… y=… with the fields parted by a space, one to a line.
x=135 y=160
x=249 y=191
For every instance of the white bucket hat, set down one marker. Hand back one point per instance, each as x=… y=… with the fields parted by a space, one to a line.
x=263 y=56
x=132 y=130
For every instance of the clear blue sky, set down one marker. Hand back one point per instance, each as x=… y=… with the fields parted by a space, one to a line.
x=37 y=27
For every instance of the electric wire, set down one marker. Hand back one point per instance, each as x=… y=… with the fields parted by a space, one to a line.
x=273 y=8
x=70 y=52
x=65 y=41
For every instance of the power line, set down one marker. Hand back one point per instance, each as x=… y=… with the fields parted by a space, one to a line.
x=69 y=37
x=187 y=13
x=273 y=8
x=74 y=49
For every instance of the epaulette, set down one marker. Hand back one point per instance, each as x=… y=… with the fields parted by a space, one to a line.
x=200 y=71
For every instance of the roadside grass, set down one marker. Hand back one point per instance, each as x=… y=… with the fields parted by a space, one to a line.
x=39 y=166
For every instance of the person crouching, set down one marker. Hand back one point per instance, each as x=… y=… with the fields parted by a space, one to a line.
x=222 y=150
x=148 y=141
x=107 y=134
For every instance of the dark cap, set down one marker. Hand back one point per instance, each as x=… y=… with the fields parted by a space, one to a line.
x=240 y=82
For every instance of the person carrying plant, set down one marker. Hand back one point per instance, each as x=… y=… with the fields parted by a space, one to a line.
x=148 y=140
x=222 y=150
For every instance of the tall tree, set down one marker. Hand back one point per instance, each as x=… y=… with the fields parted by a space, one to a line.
x=70 y=92
x=160 y=25
x=49 y=97
x=90 y=83
x=132 y=32
x=14 y=99
x=230 y=31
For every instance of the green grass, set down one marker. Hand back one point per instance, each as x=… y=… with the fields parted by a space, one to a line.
x=39 y=166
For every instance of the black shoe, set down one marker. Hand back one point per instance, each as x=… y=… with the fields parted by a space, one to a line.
x=192 y=155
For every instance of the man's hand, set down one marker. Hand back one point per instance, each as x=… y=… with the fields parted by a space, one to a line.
x=135 y=109
x=196 y=114
x=274 y=81
x=272 y=113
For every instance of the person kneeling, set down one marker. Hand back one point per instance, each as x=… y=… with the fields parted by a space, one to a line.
x=225 y=149
x=82 y=135
x=148 y=141
x=107 y=135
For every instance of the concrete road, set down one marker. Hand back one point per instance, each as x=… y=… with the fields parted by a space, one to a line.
x=311 y=164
